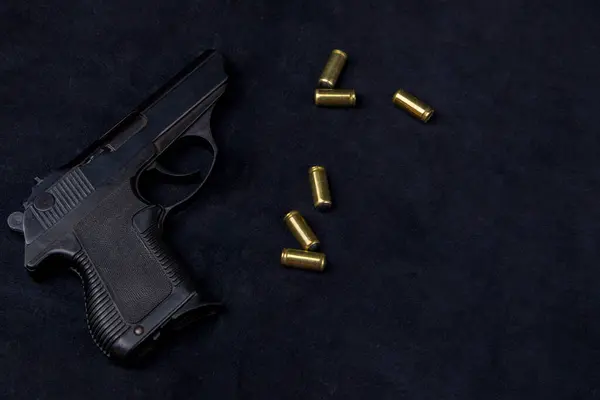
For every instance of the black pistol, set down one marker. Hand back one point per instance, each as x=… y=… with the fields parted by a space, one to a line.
x=93 y=212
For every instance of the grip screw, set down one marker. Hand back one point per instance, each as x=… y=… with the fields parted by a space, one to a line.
x=138 y=330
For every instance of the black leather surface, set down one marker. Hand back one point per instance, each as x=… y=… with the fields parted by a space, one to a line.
x=464 y=253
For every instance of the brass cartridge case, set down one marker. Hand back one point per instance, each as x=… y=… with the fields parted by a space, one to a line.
x=301 y=231
x=303 y=259
x=412 y=105
x=335 y=97
x=333 y=69
x=320 y=187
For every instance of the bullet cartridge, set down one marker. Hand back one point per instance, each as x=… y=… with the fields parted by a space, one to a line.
x=412 y=105
x=320 y=187
x=301 y=231
x=335 y=97
x=333 y=69
x=303 y=259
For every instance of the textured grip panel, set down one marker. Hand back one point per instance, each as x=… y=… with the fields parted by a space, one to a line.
x=131 y=271
x=104 y=321
x=158 y=250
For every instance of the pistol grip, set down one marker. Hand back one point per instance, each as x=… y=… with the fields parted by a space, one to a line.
x=133 y=286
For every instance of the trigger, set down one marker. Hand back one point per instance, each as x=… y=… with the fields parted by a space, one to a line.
x=185 y=177
x=163 y=170
x=159 y=168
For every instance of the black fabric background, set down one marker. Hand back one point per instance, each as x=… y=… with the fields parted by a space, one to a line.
x=464 y=253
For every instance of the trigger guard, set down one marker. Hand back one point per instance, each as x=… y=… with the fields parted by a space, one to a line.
x=186 y=177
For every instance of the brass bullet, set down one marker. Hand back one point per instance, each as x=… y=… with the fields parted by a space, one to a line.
x=335 y=97
x=333 y=69
x=301 y=231
x=320 y=187
x=303 y=259
x=413 y=105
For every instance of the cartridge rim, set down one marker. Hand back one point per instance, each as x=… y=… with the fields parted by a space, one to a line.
x=353 y=99
x=291 y=214
x=323 y=262
x=283 y=257
x=313 y=246
x=326 y=83
x=323 y=205
x=340 y=52
x=427 y=115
